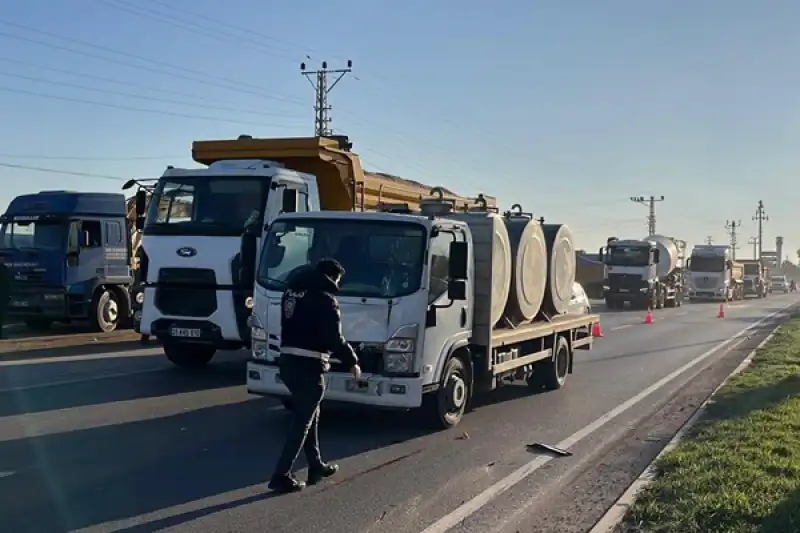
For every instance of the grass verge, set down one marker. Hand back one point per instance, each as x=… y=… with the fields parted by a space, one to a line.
x=738 y=469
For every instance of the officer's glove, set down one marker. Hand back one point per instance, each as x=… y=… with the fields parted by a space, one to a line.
x=356 y=371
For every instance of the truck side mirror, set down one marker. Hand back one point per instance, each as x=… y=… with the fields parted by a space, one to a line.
x=139 y=223
x=247 y=254
x=141 y=202
x=457 y=289
x=289 y=200
x=458 y=265
x=600 y=254
x=656 y=255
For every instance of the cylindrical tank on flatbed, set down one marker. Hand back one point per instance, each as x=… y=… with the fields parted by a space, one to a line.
x=560 y=268
x=529 y=272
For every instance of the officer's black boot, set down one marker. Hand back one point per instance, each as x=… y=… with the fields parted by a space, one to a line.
x=284 y=484
x=318 y=473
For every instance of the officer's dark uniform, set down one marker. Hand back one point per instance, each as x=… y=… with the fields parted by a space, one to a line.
x=310 y=335
x=5 y=294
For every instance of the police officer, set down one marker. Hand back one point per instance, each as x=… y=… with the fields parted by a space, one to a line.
x=311 y=334
x=5 y=293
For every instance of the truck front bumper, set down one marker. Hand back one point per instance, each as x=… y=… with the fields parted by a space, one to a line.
x=378 y=391
x=709 y=295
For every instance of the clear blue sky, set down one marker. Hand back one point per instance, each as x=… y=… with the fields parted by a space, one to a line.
x=568 y=107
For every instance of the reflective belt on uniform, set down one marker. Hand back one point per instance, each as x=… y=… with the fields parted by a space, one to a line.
x=302 y=352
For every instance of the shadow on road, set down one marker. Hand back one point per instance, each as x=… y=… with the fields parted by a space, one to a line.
x=73 y=480
x=160 y=382
x=11 y=350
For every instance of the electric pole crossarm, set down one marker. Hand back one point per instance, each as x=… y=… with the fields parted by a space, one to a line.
x=651 y=203
x=760 y=217
x=322 y=119
x=731 y=226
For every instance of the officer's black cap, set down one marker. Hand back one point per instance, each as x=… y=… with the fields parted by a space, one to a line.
x=330 y=267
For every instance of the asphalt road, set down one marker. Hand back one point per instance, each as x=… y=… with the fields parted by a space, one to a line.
x=123 y=442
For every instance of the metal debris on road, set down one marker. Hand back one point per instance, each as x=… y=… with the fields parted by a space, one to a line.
x=548 y=448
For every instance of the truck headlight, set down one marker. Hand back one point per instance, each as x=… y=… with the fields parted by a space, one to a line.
x=140 y=298
x=258 y=343
x=249 y=302
x=399 y=345
x=398 y=363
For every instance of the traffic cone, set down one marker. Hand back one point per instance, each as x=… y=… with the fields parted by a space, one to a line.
x=721 y=313
x=596 y=331
x=648 y=316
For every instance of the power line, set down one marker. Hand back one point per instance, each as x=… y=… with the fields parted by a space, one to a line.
x=760 y=217
x=74 y=73
x=754 y=242
x=92 y=158
x=651 y=203
x=65 y=172
x=141 y=109
x=322 y=117
x=731 y=226
x=199 y=77
x=141 y=97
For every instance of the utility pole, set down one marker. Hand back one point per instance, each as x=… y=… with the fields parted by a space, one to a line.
x=709 y=240
x=651 y=203
x=731 y=226
x=319 y=81
x=754 y=242
x=760 y=217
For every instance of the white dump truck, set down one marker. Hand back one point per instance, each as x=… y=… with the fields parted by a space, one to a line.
x=438 y=304
x=197 y=280
x=647 y=273
x=714 y=275
x=756 y=280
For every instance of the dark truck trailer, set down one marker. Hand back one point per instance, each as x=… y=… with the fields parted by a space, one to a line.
x=756 y=282
x=69 y=254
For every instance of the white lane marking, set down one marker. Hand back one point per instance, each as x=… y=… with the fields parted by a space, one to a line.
x=86 y=357
x=81 y=380
x=468 y=508
x=621 y=327
x=6 y=474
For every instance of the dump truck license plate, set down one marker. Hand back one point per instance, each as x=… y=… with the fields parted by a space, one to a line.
x=192 y=333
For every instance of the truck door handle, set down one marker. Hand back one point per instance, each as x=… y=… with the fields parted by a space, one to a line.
x=463 y=317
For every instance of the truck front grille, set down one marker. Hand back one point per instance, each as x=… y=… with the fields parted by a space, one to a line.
x=189 y=292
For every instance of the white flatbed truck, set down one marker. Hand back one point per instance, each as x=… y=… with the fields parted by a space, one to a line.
x=410 y=315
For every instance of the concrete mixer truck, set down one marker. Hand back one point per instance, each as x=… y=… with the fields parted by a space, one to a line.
x=647 y=273
x=438 y=304
x=197 y=279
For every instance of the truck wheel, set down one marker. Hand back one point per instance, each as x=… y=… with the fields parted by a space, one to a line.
x=189 y=355
x=105 y=311
x=552 y=374
x=446 y=406
x=610 y=303
x=38 y=324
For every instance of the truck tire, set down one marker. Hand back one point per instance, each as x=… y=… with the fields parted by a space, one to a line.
x=38 y=324
x=445 y=407
x=552 y=373
x=188 y=355
x=105 y=312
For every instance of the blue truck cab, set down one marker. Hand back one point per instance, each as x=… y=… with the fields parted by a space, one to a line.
x=69 y=254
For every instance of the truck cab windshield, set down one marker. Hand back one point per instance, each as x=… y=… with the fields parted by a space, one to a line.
x=381 y=259
x=628 y=255
x=205 y=205
x=751 y=269
x=707 y=264
x=33 y=234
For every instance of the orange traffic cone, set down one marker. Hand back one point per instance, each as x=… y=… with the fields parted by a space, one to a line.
x=721 y=313
x=648 y=316
x=596 y=331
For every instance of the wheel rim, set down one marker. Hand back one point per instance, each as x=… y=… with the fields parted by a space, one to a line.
x=456 y=393
x=110 y=311
x=562 y=364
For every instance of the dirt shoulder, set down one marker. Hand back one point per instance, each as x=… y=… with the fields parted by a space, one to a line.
x=738 y=469
x=65 y=343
